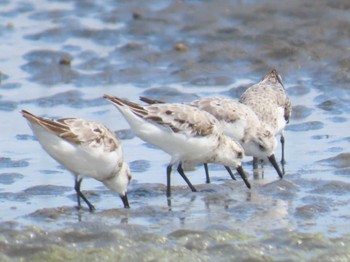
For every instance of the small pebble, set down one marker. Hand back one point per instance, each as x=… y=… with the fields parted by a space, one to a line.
x=181 y=47
x=65 y=61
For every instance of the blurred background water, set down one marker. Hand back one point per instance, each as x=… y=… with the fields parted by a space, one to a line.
x=59 y=57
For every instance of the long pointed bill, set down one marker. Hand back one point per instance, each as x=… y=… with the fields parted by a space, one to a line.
x=243 y=176
x=125 y=201
x=273 y=161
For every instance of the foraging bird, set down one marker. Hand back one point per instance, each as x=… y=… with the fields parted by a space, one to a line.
x=270 y=102
x=240 y=123
x=151 y=101
x=86 y=149
x=187 y=134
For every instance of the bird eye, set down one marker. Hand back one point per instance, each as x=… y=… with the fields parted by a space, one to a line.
x=261 y=147
x=240 y=155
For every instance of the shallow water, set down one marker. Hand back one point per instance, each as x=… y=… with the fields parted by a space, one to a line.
x=59 y=57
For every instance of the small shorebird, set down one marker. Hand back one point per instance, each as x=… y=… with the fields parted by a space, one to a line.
x=269 y=100
x=86 y=149
x=187 y=134
x=241 y=124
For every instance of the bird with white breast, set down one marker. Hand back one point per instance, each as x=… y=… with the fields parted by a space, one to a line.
x=270 y=102
x=241 y=123
x=86 y=149
x=187 y=134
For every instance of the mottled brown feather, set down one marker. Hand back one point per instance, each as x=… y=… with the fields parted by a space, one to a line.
x=77 y=131
x=178 y=117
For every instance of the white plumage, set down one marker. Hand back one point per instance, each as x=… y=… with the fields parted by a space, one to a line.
x=86 y=149
x=242 y=124
x=269 y=101
x=186 y=133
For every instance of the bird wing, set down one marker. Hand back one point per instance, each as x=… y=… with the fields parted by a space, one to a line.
x=77 y=131
x=179 y=118
x=223 y=109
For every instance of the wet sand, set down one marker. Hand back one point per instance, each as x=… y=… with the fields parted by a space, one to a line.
x=59 y=57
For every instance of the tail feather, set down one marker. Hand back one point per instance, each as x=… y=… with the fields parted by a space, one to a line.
x=273 y=76
x=118 y=102
x=30 y=117
x=50 y=125
x=150 y=101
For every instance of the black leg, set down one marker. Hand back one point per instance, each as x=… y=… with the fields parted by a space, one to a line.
x=125 y=201
x=77 y=190
x=168 y=181
x=80 y=194
x=230 y=172
x=255 y=163
x=181 y=172
x=169 y=203
x=207 y=173
x=283 y=160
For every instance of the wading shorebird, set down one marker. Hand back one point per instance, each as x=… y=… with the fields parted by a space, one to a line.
x=270 y=102
x=187 y=134
x=239 y=122
x=86 y=149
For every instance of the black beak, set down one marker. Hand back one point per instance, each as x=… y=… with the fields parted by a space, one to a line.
x=273 y=161
x=243 y=176
x=125 y=201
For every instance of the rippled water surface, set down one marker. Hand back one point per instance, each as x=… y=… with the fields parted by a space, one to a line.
x=59 y=57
